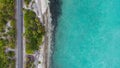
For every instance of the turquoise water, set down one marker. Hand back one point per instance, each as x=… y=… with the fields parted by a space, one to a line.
x=88 y=35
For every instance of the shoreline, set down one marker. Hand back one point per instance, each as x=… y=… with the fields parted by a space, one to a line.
x=53 y=12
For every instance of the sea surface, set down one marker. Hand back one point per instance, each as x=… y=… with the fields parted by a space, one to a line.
x=88 y=35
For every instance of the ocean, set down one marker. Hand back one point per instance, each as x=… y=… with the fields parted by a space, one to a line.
x=87 y=35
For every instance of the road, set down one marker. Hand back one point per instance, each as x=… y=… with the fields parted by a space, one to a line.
x=19 y=43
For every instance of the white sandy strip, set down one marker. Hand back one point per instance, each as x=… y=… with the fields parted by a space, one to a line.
x=44 y=5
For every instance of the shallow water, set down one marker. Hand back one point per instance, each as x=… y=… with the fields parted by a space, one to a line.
x=88 y=35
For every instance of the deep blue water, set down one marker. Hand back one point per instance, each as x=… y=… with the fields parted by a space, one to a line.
x=88 y=35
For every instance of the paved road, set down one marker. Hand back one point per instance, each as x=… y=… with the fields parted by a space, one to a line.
x=19 y=43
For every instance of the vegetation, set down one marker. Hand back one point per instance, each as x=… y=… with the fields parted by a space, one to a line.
x=27 y=2
x=30 y=62
x=7 y=33
x=5 y=61
x=34 y=31
x=12 y=34
x=6 y=11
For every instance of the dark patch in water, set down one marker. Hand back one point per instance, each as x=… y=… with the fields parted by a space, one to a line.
x=56 y=11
